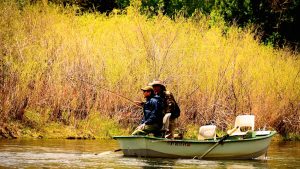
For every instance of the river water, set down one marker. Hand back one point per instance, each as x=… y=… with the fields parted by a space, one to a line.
x=100 y=154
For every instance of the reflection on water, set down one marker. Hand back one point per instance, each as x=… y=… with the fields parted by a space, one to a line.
x=100 y=154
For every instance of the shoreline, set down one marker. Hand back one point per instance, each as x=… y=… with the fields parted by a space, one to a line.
x=70 y=133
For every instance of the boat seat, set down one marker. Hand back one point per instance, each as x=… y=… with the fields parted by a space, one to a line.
x=207 y=132
x=166 y=122
x=244 y=122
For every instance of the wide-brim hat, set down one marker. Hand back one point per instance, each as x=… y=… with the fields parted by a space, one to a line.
x=157 y=82
x=147 y=88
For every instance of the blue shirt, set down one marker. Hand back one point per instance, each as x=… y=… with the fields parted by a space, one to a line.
x=153 y=111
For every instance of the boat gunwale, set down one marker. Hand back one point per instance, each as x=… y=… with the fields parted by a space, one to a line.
x=272 y=133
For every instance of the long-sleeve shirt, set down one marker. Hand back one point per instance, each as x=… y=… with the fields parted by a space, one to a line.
x=153 y=111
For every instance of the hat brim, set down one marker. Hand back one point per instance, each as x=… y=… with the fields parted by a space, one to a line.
x=158 y=85
x=147 y=88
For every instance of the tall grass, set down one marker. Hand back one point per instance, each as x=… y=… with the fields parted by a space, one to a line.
x=58 y=62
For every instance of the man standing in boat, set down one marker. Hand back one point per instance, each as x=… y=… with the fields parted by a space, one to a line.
x=153 y=116
x=170 y=105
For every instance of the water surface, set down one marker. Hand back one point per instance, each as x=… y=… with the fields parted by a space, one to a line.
x=100 y=154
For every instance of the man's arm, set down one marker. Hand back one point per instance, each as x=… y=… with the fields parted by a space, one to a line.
x=172 y=106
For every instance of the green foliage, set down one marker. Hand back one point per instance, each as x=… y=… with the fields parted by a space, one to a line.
x=192 y=131
x=95 y=126
x=216 y=19
x=235 y=10
x=277 y=21
x=272 y=39
x=101 y=126
x=122 y=4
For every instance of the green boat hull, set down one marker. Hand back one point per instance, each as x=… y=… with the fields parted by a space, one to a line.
x=233 y=148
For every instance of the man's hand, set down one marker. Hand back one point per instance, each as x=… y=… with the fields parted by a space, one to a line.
x=141 y=127
x=139 y=103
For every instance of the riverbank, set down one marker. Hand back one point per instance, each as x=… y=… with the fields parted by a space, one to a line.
x=105 y=130
x=94 y=127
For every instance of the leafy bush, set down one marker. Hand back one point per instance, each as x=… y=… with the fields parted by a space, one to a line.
x=57 y=61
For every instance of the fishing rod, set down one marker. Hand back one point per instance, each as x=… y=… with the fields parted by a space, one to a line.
x=95 y=85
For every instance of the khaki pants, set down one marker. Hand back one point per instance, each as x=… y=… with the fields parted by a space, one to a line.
x=172 y=126
x=155 y=129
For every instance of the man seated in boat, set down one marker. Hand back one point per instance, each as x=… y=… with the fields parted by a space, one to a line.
x=153 y=116
x=169 y=103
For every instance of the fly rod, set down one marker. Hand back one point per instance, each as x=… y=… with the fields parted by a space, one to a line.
x=121 y=96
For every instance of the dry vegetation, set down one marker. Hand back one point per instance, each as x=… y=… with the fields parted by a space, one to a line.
x=58 y=65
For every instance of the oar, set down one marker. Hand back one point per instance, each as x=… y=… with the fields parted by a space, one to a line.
x=117 y=150
x=220 y=141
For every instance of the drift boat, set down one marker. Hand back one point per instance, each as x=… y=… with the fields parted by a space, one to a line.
x=234 y=147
